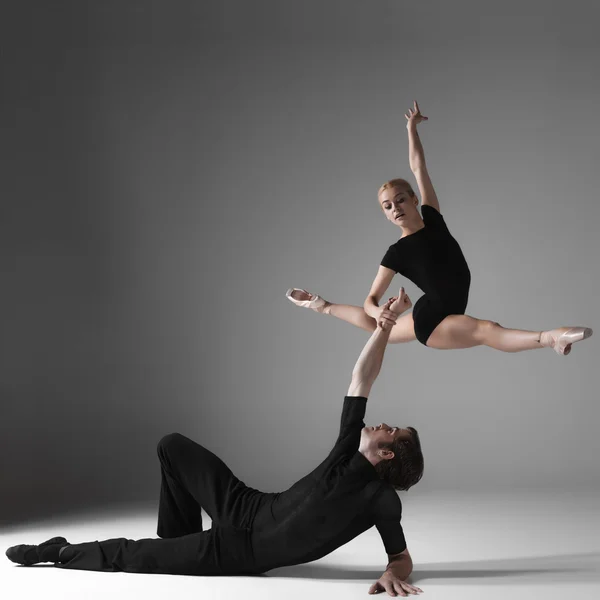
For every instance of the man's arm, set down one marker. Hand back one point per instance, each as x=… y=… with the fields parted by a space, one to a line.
x=369 y=362
x=400 y=565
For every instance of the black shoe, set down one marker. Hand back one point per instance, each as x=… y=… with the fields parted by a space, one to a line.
x=27 y=554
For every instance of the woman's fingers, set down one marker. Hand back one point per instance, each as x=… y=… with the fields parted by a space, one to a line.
x=414 y=114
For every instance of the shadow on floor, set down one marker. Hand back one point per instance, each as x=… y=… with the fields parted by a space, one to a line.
x=584 y=567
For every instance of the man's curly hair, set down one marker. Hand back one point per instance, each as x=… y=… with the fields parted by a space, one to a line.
x=406 y=468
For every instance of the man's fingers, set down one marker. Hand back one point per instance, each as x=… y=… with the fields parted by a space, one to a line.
x=399 y=588
x=411 y=589
x=389 y=588
x=375 y=588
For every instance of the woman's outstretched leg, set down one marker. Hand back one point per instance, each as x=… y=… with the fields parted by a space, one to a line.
x=463 y=331
x=403 y=331
x=455 y=331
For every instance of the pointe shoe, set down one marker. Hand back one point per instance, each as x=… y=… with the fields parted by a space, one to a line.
x=562 y=343
x=298 y=297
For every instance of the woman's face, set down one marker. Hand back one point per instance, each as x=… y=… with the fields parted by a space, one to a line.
x=397 y=205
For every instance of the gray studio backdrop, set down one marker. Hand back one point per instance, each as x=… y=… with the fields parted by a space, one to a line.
x=171 y=168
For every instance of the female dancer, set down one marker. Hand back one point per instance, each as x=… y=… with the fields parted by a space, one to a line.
x=431 y=258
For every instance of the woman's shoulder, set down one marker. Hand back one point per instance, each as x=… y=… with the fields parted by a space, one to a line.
x=432 y=217
x=430 y=211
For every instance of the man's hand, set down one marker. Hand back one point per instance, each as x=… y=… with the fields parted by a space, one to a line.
x=393 y=585
x=414 y=116
x=386 y=318
x=392 y=309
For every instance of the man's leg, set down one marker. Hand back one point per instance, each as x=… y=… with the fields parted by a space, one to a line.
x=194 y=478
x=218 y=551
x=212 y=552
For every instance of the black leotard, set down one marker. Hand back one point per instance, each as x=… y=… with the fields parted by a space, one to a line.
x=432 y=259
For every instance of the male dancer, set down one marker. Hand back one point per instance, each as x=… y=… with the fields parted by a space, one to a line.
x=253 y=532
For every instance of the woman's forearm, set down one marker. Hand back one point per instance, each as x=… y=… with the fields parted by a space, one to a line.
x=415 y=149
x=371 y=307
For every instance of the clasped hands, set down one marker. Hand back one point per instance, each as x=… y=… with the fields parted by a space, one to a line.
x=392 y=309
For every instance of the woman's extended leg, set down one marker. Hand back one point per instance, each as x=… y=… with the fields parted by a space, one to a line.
x=460 y=331
x=402 y=332
x=463 y=331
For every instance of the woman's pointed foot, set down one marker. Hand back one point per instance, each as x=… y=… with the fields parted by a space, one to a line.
x=303 y=298
x=562 y=339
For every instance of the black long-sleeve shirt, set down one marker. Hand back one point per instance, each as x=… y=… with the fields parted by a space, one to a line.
x=343 y=497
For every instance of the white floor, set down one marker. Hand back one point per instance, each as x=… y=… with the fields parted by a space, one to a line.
x=526 y=545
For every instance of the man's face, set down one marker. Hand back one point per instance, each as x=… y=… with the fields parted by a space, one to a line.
x=373 y=437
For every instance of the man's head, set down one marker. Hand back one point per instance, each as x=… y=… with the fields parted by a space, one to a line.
x=394 y=452
x=398 y=202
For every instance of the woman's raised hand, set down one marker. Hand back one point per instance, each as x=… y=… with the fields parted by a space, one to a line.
x=414 y=116
x=398 y=304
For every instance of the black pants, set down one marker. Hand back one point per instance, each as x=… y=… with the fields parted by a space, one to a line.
x=192 y=478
